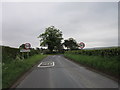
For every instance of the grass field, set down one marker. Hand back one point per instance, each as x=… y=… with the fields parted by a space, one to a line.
x=107 y=65
x=14 y=69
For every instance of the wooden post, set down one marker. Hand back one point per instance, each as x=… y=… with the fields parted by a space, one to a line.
x=22 y=55
x=28 y=54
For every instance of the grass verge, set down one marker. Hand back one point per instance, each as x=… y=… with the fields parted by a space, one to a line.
x=104 y=64
x=11 y=71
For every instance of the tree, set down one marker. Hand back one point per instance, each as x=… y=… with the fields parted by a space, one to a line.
x=51 y=38
x=22 y=46
x=70 y=44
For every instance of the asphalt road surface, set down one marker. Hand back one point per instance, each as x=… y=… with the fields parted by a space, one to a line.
x=59 y=72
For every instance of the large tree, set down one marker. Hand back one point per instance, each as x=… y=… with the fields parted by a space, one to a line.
x=51 y=38
x=70 y=44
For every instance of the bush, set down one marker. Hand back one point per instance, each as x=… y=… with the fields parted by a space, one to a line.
x=9 y=54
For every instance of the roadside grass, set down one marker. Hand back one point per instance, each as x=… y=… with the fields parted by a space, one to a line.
x=13 y=70
x=107 y=65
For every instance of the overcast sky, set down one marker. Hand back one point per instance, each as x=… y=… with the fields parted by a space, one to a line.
x=94 y=23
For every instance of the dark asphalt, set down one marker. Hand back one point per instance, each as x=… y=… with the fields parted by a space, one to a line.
x=65 y=74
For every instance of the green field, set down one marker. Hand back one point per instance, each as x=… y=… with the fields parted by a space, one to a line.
x=105 y=60
x=14 y=69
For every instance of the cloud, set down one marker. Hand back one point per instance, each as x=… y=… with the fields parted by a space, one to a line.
x=85 y=21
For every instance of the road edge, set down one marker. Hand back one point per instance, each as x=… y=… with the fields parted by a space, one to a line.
x=94 y=70
x=24 y=74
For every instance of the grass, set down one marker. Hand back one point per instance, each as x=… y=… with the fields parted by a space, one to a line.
x=104 y=64
x=11 y=71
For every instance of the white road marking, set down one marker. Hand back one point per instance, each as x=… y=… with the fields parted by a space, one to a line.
x=53 y=63
x=50 y=64
x=39 y=64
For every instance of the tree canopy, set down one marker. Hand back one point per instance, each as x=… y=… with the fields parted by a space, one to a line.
x=70 y=44
x=51 y=38
x=22 y=46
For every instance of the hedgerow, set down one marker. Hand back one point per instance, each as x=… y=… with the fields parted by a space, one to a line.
x=108 y=52
x=105 y=60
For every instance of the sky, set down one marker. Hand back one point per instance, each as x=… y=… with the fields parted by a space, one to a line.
x=94 y=23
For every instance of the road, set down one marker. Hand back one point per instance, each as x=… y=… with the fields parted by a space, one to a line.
x=65 y=74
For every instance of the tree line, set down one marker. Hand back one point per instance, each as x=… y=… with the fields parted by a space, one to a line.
x=52 y=39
